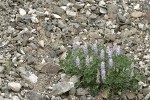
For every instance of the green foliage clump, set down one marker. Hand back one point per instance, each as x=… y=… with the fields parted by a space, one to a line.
x=121 y=76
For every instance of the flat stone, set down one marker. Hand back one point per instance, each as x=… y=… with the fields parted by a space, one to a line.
x=14 y=86
x=140 y=96
x=15 y=98
x=50 y=68
x=58 y=10
x=146 y=91
x=136 y=14
x=1 y=69
x=110 y=37
x=34 y=95
x=81 y=92
x=62 y=87
x=130 y=96
x=29 y=76
x=71 y=13
x=94 y=35
x=147 y=16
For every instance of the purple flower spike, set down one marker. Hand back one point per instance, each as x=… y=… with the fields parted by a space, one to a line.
x=102 y=54
x=110 y=62
x=95 y=48
x=103 y=71
x=87 y=60
x=85 y=48
x=77 y=61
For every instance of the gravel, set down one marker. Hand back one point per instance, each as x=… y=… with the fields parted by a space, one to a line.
x=34 y=34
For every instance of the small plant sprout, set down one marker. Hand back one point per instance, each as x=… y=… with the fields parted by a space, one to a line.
x=95 y=48
x=103 y=71
x=87 y=60
x=102 y=54
x=85 y=48
x=110 y=61
x=77 y=61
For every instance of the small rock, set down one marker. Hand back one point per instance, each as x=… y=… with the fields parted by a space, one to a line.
x=41 y=43
x=103 y=10
x=74 y=79
x=137 y=7
x=29 y=76
x=94 y=35
x=136 y=14
x=141 y=26
x=22 y=12
x=15 y=98
x=72 y=91
x=14 y=86
x=81 y=91
x=83 y=97
x=130 y=96
x=146 y=91
x=93 y=16
x=34 y=96
x=1 y=69
x=71 y=13
x=50 y=68
x=110 y=37
x=121 y=18
x=72 y=97
x=147 y=16
x=140 y=96
x=101 y=3
x=56 y=16
x=34 y=19
x=62 y=87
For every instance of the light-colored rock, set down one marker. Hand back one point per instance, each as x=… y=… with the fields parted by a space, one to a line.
x=14 y=86
x=137 y=7
x=81 y=91
x=94 y=35
x=130 y=96
x=71 y=13
x=34 y=19
x=15 y=98
x=29 y=76
x=146 y=91
x=103 y=10
x=74 y=79
x=56 y=16
x=1 y=69
x=136 y=14
x=62 y=87
x=140 y=96
x=41 y=43
x=22 y=12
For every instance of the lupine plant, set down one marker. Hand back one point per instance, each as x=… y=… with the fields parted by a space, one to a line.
x=101 y=68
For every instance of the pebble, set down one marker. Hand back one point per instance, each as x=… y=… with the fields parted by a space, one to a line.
x=14 y=86
x=130 y=96
x=15 y=98
x=81 y=92
x=62 y=87
x=71 y=13
x=22 y=12
x=41 y=43
x=136 y=14
x=56 y=16
x=1 y=69
x=137 y=7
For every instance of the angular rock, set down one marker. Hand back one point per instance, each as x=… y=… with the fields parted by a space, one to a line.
x=62 y=87
x=147 y=16
x=14 y=86
x=81 y=92
x=29 y=76
x=1 y=69
x=130 y=96
x=71 y=13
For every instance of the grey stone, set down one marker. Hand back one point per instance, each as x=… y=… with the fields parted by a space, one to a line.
x=62 y=87
x=81 y=91
x=121 y=18
x=58 y=10
x=1 y=69
x=71 y=13
x=83 y=98
x=15 y=98
x=112 y=8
